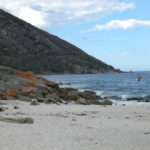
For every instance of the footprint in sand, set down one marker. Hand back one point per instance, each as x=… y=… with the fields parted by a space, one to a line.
x=147 y=133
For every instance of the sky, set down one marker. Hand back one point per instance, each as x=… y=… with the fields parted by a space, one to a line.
x=115 y=31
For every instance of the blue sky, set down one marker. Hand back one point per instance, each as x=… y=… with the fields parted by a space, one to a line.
x=115 y=31
x=127 y=50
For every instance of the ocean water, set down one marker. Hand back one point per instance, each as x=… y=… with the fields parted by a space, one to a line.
x=124 y=86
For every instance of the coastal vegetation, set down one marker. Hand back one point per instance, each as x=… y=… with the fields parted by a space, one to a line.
x=27 y=48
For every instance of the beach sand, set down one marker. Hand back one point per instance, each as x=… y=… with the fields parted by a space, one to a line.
x=76 y=127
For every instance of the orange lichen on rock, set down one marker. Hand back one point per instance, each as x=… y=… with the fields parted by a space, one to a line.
x=11 y=93
x=27 y=75
x=8 y=94
x=32 y=79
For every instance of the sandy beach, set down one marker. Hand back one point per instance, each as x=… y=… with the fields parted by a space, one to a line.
x=76 y=127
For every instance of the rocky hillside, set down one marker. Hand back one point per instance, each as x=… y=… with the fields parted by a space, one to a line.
x=25 y=47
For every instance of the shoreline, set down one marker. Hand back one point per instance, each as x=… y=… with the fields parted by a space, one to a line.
x=129 y=89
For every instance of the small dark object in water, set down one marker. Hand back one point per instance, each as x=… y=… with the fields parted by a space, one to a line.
x=140 y=78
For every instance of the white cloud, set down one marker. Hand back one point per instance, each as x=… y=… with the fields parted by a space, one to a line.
x=54 y=12
x=122 y=24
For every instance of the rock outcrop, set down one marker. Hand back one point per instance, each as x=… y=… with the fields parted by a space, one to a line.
x=26 y=86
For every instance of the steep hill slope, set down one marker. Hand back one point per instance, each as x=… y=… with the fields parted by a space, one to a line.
x=25 y=47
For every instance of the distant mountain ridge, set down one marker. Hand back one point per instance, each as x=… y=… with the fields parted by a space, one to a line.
x=25 y=47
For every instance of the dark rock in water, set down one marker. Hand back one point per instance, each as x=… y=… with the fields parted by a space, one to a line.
x=90 y=92
x=25 y=47
x=140 y=99
x=112 y=97
x=147 y=99
x=89 y=95
x=52 y=84
x=71 y=89
x=135 y=99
